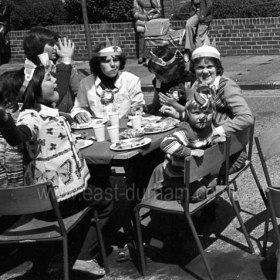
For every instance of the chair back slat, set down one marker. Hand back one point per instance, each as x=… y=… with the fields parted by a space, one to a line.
x=275 y=199
x=215 y=156
x=25 y=200
x=211 y=162
x=269 y=142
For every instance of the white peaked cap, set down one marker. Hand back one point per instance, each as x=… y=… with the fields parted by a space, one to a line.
x=206 y=51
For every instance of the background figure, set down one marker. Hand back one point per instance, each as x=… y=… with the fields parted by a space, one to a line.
x=4 y=29
x=40 y=40
x=198 y=24
x=143 y=11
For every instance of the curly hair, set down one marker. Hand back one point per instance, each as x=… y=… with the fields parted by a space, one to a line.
x=95 y=62
x=35 y=41
x=217 y=63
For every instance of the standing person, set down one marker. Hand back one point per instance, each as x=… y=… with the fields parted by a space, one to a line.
x=54 y=156
x=198 y=24
x=4 y=29
x=42 y=40
x=171 y=69
x=108 y=88
x=143 y=11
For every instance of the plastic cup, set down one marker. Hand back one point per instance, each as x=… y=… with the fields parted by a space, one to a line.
x=114 y=118
x=99 y=131
x=113 y=132
x=136 y=121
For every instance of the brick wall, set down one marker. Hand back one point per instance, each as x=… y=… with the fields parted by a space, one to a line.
x=233 y=36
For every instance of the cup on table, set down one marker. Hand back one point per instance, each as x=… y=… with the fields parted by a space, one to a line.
x=113 y=132
x=99 y=131
x=114 y=118
x=136 y=121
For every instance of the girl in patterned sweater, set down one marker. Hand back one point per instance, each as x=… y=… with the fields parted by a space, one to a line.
x=54 y=156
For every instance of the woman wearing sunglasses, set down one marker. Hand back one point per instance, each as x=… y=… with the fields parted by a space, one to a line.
x=171 y=69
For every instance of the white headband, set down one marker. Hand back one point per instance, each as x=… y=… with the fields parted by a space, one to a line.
x=113 y=50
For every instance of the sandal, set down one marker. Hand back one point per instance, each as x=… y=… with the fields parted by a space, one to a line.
x=123 y=254
x=92 y=267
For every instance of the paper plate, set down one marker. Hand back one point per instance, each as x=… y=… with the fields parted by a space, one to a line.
x=129 y=144
x=89 y=124
x=84 y=143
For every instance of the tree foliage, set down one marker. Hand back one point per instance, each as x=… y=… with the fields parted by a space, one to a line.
x=246 y=8
x=100 y=11
x=28 y=13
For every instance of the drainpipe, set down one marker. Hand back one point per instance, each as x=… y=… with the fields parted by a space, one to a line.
x=86 y=26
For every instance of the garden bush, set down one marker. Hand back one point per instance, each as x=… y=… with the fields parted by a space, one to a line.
x=28 y=13
x=100 y=11
x=246 y=8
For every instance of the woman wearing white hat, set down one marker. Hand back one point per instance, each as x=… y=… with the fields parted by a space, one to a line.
x=232 y=111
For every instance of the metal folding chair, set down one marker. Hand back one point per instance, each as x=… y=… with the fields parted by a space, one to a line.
x=268 y=146
x=30 y=200
x=194 y=170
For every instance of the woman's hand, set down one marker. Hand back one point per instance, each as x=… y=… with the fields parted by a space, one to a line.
x=172 y=112
x=66 y=50
x=167 y=99
x=82 y=117
x=197 y=153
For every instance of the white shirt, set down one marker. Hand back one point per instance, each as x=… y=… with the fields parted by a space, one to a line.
x=127 y=93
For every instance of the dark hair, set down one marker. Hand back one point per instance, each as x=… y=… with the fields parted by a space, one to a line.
x=34 y=90
x=94 y=62
x=166 y=53
x=217 y=63
x=35 y=41
x=10 y=84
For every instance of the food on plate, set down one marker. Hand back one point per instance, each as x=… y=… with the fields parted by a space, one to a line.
x=82 y=135
x=161 y=126
x=131 y=133
x=88 y=124
x=130 y=143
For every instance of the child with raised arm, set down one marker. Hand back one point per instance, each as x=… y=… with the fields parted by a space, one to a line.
x=54 y=156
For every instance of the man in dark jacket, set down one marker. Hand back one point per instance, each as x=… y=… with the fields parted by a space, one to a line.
x=198 y=24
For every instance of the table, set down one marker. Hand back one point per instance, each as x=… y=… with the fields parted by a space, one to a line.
x=100 y=152
x=138 y=165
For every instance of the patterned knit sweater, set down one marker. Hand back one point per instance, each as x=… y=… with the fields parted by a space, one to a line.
x=179 y=145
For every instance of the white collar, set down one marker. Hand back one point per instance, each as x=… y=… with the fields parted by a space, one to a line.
x=48 y=111
x=216 y=83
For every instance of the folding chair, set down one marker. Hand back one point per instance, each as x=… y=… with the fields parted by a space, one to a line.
x=268 y=146
x=213 y=159
x=30 y=200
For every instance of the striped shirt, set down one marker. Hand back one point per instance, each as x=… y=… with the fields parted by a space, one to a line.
x=179 y=145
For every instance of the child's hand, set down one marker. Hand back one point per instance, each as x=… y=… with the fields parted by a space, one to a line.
x=197 y=153
x=218 y=139
x=66 y=50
